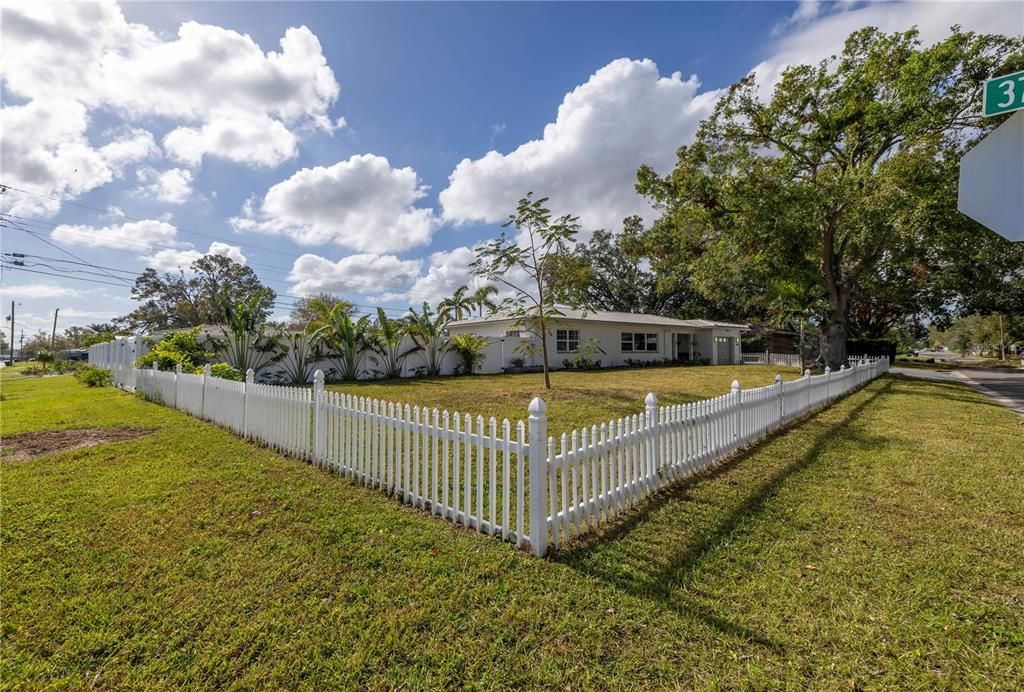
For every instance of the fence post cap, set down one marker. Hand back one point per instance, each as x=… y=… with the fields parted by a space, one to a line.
x=250 y=375
x=778 y=378
x=207 y=369
x=538 y=407
x=735 y=385
x=828 y=370
x=318 y=376
x=651 y=400
x=156 y=366
x=177 y=368
x=807 y=372
x=843 y=366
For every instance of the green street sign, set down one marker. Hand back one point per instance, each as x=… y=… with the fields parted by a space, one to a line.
x=1003 y=94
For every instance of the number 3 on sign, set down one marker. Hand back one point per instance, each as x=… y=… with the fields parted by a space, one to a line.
x=1007 y=85
x=1003 y=94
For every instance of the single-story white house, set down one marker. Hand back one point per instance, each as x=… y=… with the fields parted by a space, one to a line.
x=620 y=336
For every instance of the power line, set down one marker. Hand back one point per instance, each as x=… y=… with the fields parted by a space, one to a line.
x=4 y=187
x=58 y=248
x=279 y=304
x=148 y=247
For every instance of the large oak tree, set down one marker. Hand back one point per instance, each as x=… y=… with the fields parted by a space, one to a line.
x=197 y=297
x=837 y=170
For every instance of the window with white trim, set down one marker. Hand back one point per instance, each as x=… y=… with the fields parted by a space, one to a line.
x=512 y=332
x=567 y=340
x=639 y=342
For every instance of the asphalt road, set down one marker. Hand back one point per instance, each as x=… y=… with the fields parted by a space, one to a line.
x=1004 y=385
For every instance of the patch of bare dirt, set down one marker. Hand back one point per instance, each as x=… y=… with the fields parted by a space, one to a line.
x=34 y=444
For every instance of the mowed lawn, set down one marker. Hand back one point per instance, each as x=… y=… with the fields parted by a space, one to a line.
x=576 y=399
x=876 y=545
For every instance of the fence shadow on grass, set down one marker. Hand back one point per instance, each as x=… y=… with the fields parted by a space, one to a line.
x=626 y=553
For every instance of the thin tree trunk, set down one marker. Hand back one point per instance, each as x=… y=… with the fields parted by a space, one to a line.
x=544 y=352
x=802 y=344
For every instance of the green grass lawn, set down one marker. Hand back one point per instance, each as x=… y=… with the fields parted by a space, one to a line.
x=576 y=399
x=876 y=545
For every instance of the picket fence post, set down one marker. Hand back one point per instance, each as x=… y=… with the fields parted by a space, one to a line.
x=651 y=403
x=177 y=372
x=828 y=383
x=538 y=432
x=206 y=376
x=737 y=395
x=318 y=391
x=782 y=398
x=250 y=377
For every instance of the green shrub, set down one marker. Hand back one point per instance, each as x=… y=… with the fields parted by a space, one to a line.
x=470 y=348
x=177 y=348
x=91 y=376
x=226 y=372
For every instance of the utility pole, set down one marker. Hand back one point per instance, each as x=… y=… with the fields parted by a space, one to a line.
x=21 y=343
x=12 y=334
x=53 y=334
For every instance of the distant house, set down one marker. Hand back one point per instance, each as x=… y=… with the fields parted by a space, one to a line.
x=622 y=337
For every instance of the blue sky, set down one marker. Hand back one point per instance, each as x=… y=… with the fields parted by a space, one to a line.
x=355 y=159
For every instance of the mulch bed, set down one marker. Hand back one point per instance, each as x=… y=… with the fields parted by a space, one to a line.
x=34 y=444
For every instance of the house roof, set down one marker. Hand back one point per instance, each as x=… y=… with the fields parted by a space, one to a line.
x=605 y=316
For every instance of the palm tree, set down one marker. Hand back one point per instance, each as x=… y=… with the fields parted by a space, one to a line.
x=340 y=339
x=482 y=298
x=458 y=306
x=430 y=336
x=797 y=299
x=386 y=340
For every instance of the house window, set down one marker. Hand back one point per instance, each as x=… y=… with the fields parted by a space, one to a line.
x=567 y=340
x=639 y=342
x=512 y=332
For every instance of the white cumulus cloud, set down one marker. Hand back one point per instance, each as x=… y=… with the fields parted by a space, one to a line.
x=224 y=95
x=36 y=290
x=139 y=235
x=362 y=274
x=624 y=115
x=173 y=186
x=45 y=150
x=173 y=260
x=361 y=203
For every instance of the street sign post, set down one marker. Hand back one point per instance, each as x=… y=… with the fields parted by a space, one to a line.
x=1003 y=94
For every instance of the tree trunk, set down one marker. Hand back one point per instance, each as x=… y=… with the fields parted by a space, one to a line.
x=544 y=352
x=802 y=351
x=837 y=326
x=833 y=341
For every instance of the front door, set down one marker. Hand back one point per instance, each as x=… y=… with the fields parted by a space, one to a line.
x=724 y=346
x=682 y=352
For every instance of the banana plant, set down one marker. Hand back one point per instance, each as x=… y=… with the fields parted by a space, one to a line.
x=340 y=339
x=386 y=341
x=429 y=333
x=300 y=360
x=246 y=343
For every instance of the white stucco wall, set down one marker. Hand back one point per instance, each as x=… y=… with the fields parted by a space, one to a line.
x=608 y=336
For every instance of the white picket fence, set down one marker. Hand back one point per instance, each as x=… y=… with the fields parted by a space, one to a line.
x=501 y=479
x=789 y=360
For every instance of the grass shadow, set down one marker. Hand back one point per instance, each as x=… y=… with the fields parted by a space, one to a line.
x=618 y=556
